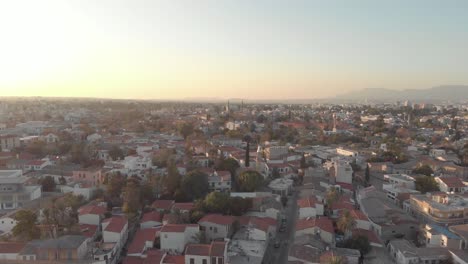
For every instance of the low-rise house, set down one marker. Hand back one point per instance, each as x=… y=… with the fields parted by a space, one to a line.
x=115 y=231
x=439 y=236
x=174 y=237
x=36 y=165
x=10 y=250
x=91 y=214
x=92 y=175
x=220 y=181
x=403 y=252
x=59 y=250
x=262 y=228
x=322 y=227
x=151 y=219
x=362 y=221
x=142 y=241
x=450 y=184
x=309 y=207
x=400 y=180
x=214 y=253
x=216 y=226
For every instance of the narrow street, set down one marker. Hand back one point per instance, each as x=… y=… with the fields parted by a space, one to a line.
x=280 y=255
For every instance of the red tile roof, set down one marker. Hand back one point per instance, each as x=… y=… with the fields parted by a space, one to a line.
x=218 y=219
x=324 y=223
x=132 y=260
x=11 y=247
x=452 y=182
x=170 y=259
x=163 y=204
x=152 y=216
x=215 y=249
x=153 y=256
x=198 y=249
x=358 y=215
x=307 y=202
x=262 y=223
x=116 y=224
x=141 y=237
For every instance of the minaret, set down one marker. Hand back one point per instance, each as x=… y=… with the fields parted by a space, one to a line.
x=334 y=123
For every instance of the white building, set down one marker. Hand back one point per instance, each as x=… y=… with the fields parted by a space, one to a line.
x=175 y=237
x=13 y=191
x=216 y=226
x=214 y=253
x=91 y=214
x=341 y=170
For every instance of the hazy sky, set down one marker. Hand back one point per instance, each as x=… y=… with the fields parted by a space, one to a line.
x=240 y=48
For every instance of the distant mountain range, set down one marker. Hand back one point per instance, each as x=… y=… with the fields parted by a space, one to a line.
x=453 y=93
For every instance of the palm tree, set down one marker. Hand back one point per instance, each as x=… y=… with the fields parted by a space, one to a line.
x=331 y=197
x=336 y=260
x=346 y=223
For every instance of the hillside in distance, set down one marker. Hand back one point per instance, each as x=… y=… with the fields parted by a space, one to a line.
x=452 y=93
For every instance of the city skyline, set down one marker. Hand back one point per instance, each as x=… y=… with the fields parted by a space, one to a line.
x=228 y=49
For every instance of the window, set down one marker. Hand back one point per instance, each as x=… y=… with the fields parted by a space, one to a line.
x=215 y=230
x=213 y=260
x=192 y=261
x=220 y=261
x=204 y=261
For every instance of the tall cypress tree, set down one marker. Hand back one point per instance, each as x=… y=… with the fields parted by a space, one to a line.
x=247 y=154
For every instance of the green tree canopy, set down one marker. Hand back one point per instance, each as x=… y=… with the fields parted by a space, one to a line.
x=116 y=153
x=216 y=202
x=360 y=243
x=195 y=185
x=249 y=181
x=424 y=170
x=426 y=184
x=132 y=197
x=185 y=129
x=26 y=228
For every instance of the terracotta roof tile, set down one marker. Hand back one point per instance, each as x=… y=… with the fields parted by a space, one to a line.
x=11 y=247
x=163 y=204
x=152 y=216
x=116 y=224
x=324 y=223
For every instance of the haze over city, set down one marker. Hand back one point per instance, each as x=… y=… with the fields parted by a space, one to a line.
x=225 y=49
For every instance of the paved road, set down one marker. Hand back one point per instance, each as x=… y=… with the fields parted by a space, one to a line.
x=280 y=255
